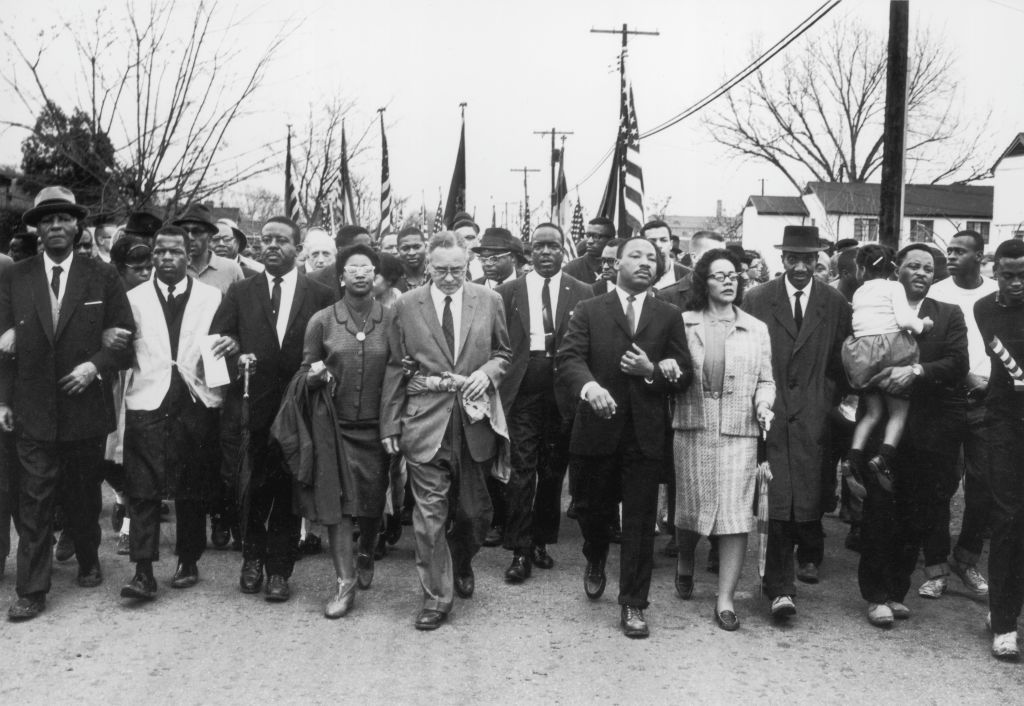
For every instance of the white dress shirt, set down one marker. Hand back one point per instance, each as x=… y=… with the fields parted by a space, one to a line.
x=491 y=283
x=179 y=287
x=65 y=267
x=791 y=292
x=456 y=306
x=288 y=282
x=534 y=289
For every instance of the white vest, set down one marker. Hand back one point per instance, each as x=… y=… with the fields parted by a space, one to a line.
x=150 y=376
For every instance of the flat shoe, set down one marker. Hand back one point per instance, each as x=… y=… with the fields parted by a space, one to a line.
x=684 y=586
x=342 y=601
x=727 y=620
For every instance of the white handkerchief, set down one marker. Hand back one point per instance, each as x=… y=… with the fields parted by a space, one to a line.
x=215 y=369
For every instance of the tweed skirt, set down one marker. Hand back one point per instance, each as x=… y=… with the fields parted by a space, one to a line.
x=714 y=477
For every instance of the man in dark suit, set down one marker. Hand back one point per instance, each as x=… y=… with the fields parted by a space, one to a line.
x=807 y=323
x=606 y=282
x=501 y=255
x=587 y=268
x=55 y=394
x=897 y=526
x=261 y=323
x=609 y=363
x=454 y=332
x=537 y=309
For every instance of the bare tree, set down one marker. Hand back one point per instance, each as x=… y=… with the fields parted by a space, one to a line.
x=260 y=204
x=167 y=95
x=819 y=115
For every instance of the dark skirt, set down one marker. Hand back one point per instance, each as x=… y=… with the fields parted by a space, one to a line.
x=364 y=476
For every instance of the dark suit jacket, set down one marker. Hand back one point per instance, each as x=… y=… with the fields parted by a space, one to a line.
x=580 y=269
x=597 y=338
x=328 y=277
x=944 y=358
x=599 y=287
x=94 y=300
x=244 y=314
x=517 y=317
x=678 y=293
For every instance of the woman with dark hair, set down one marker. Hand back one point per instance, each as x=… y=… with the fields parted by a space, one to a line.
x=388 y=273
x=717 y=422
x=346 y=348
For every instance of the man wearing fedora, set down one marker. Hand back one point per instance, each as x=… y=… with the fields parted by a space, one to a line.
x=807 y=322
x=501 y=254
x=229 y=242
x=144 y=223
x=55 y=391
x=205 y=265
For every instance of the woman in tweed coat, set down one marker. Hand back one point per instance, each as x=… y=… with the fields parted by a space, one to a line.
x=717 y=422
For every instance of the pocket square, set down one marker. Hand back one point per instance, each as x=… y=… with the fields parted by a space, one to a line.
x=94 y=303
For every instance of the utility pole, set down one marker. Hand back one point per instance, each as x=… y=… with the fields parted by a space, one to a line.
x=554 y=188
x=526 y=193
x=890 y=215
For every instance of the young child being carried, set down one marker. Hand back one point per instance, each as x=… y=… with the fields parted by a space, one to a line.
x=880 y=339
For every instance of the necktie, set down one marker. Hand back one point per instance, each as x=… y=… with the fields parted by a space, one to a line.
x=549 y=327
x=55 y=281
x=631 y=314
x=275 y=297
x=798 y=311
x=170 y=295
x=448 y=325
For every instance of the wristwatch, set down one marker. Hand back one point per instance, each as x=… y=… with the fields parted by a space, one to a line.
x=917 y=370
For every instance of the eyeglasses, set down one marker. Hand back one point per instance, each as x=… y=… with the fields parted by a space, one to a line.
x=721 y=277
x=359 y=269
x=491 y=259
x=454 y=272
x=607 y=261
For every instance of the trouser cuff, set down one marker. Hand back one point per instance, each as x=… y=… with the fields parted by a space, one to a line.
x=936 y=571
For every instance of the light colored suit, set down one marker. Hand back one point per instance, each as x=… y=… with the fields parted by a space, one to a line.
x=439 y=442
x=151 y=371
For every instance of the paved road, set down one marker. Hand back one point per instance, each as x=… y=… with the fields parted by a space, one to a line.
x=542 y=642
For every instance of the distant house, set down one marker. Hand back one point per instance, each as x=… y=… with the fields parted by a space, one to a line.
x=931 y=213
x=1008 y=200
x=12 y=197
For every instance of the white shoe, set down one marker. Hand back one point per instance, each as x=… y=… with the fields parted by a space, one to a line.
x=899 y=611
x=973 y=579
x=783 y=607
x=1004 y=646
x=933 y=588
x=880 y=615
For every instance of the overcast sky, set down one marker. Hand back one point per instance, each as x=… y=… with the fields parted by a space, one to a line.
x=529 y=65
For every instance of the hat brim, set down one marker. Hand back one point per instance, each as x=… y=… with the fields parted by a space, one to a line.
x=209 y=226
x=802 y=248
x=32 y=216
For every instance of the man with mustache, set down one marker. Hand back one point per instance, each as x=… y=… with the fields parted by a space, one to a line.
x=608 y=363
x=587 y=268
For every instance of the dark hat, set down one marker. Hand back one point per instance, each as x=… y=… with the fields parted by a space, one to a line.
x=130 y=250
x=198 y=213
x=240 y=238
x=144 y=223
x=499 y=239
x=53 y=199
x=464 y=220
x=800 y=239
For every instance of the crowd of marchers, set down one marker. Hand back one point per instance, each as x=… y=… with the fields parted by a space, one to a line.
x=452 y=381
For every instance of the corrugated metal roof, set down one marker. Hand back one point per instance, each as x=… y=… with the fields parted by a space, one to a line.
x=778 y=205
x=921 y=200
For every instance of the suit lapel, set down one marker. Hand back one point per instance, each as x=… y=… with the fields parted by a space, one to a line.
x=469 y=304
x=563 y=308
x=72 y=294
x=813 y=315
x=41 y=297
x=646 y=313
x=781 y=309
x=301 y=285
x=156 y=310
x=615 y=311
x=522 y=300
x=429 y=315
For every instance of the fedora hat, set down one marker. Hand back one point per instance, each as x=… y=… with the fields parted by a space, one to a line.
x=800 y=239
x=198 y=213
x=243 y=242
x=501 y=240
x=53 y=199
x=144 y=223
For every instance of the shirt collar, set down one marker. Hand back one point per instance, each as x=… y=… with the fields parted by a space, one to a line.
x=438 y=296
x=288 y=279
x=179 y=286
x=791 y=290
x=49 y=264
x=624 y=296
x=534 y=276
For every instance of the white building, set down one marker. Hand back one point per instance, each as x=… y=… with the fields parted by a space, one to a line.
x=1008 y=200
x=764 y=218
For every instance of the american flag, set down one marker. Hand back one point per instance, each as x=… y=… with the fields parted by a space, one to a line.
x=347 y=203
x=576 y=231
x=524 y=232
x=291 y=204
x=438 y=219
x=631 y=176
x=385 y=182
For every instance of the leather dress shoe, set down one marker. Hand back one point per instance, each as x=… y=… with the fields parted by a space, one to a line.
x=364 y=570
x=684 y=586
x=634 y=625
x=727 y=620
x=186 y=575
x=91 y=577
x=220 y=535
x=540 y=557
x=808 y=573
x=341 y=604
x=494 y=536
x=520 y=568
x=252 y=576
x=65 y=548
x=594 y=579
x=142 y=586
x=465 y=583
x=27 y=607
x=430 y=619
x=277 y=589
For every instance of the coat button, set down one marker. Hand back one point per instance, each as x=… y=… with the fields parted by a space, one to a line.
x=792 y=418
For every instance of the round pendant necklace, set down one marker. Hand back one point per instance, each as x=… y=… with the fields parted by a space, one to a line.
x=361 y=335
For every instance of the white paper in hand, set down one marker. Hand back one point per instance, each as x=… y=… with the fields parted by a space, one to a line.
x=215 y=369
